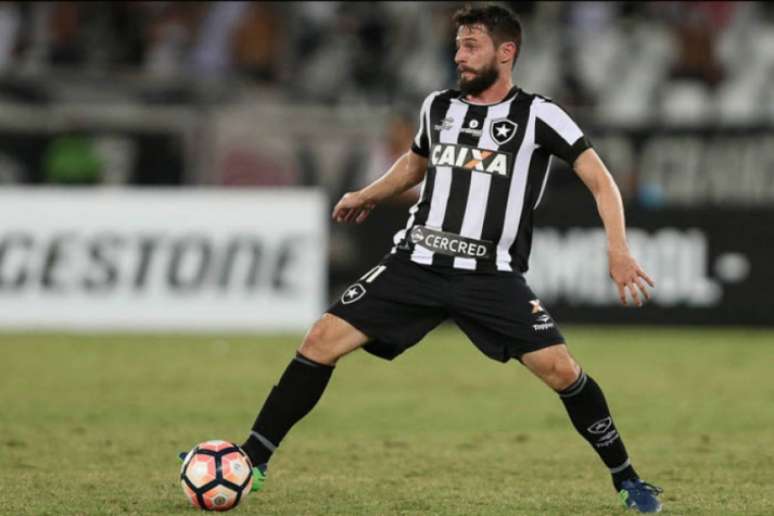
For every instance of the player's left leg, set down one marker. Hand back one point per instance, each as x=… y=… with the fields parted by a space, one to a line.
x=586 y=405
x=504 y=319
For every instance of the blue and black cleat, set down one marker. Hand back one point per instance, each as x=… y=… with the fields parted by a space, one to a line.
x=640 y=495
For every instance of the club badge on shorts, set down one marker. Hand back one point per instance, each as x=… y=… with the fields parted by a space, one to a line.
x=353 y=293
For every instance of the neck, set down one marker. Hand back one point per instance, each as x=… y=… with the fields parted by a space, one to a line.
x=495 y=93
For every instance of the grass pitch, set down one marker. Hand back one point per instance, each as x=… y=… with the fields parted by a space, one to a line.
x=92 y=425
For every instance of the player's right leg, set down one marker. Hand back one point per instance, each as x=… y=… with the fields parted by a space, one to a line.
x=388 y=310
x=300 y=387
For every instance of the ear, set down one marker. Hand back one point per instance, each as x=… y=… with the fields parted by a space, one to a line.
x=507 y=52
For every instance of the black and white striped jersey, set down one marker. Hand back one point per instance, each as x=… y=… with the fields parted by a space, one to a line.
x=486 y=172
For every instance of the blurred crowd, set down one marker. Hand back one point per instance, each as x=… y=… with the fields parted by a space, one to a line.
x=616 y=58
x=268 y=94
x=333 y=88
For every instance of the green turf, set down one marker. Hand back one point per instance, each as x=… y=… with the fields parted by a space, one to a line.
x=93 y=424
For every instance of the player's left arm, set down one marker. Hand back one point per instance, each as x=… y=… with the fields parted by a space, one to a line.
x=624 y=269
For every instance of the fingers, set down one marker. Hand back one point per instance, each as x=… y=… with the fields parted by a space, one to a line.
x=628 y=278
x=634 y=294
x=621 y=293
x=351 y=215
x=340 y=214
x=357 y=215
x=623 y=289
x=642 y=288
x=643 y=291
x=363 y=215
x=642 y=274
x=351 y=209
x=339 y=211
x=344 y=213
x=343 y=208
x=635 y=289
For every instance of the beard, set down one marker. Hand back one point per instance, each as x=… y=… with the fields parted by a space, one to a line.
x=482 y=80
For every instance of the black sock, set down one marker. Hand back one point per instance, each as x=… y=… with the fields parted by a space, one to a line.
x=298 y=391
x=588 y=412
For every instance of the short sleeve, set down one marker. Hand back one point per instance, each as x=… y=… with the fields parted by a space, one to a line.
x=421 y=144
x=556 y=132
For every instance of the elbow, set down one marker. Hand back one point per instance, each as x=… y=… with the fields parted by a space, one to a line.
x=416 y=170
x=419 y=176
x=601 y=188
x=605 y=189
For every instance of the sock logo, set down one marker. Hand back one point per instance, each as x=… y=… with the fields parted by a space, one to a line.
x=353 y=293
x=607 y=439
x=604 y=429
x=601 y=426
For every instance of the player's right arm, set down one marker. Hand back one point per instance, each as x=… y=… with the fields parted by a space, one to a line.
x=408 y=171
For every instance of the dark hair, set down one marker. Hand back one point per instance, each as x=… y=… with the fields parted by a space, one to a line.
x=501 y=23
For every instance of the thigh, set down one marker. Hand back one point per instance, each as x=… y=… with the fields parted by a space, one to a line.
x=502 y=316
x=395 y=304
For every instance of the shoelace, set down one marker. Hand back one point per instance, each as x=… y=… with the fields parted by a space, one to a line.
x=651 y=487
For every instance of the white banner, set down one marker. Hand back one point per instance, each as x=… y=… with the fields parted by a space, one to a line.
x=182 y=259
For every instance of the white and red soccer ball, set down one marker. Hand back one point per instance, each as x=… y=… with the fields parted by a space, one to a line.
x=216 y=475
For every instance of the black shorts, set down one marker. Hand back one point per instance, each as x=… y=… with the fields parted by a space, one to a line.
x=398 y=302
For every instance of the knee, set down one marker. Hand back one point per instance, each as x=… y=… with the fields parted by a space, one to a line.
x=554 y=365
x=318 y=346
x=563 y=373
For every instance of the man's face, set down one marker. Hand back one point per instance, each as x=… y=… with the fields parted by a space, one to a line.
x=476 y=59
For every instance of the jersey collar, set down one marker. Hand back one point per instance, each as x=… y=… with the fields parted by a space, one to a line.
x=509 y=96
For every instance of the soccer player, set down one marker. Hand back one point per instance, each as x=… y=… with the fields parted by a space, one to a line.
x=481 y=154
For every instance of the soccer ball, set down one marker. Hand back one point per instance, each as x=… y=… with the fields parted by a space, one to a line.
x=216 y=475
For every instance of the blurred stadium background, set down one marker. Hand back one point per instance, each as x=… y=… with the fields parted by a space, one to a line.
x=170 y=166
x=323 y=96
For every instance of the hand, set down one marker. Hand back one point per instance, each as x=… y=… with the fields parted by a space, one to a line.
x=352 y=208
x=628 y=276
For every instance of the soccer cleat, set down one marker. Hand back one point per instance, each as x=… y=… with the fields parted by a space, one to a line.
x=636 y=494
x=260 y=472
x=259 y=476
